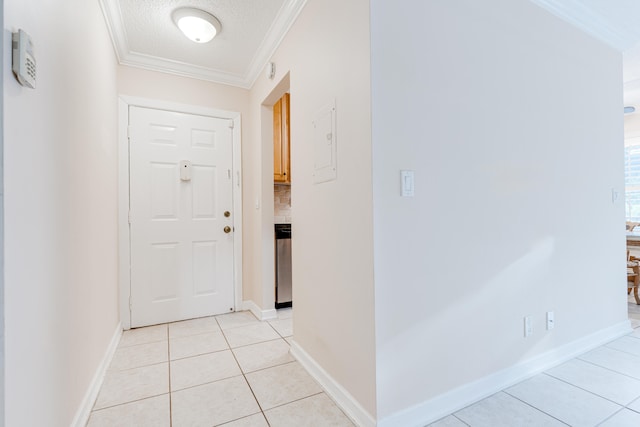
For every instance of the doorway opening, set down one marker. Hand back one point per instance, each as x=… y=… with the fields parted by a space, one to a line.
x=278 y=191
x=169 y=196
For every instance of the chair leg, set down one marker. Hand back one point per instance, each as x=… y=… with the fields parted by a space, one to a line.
x=635 y=295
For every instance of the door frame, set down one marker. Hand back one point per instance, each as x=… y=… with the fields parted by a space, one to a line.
x=124 y=236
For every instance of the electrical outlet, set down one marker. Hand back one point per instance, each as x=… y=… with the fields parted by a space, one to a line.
x=550 y=320
x=528 y=326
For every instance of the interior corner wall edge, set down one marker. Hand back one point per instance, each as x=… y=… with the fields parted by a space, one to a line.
x=515 y=138
x=2 y=333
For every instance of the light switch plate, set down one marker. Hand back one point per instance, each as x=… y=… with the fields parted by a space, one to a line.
x=528 y=326
x=407 y=183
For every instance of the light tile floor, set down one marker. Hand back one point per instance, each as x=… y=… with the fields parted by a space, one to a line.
x=230 y=370
x=599 y=388
x=235 y=371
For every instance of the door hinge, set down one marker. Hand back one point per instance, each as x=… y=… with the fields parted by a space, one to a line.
x=129 y=132
x=228 y=173
x=231 y=123
x=129 y=217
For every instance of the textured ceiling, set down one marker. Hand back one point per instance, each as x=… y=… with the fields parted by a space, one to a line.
x=144 y=35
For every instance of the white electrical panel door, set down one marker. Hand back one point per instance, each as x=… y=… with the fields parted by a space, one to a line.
x=325 y=148
x=181 y=216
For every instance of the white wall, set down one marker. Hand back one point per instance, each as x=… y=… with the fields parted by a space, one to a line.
x=2 y=334
x=511 y=120
x=168 y=87
x=60 y=210
x=326 y=54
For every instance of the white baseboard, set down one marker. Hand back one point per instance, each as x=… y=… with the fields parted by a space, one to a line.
x=84 y=411
x=258 y=312
x=432 y=410
x=343 y=399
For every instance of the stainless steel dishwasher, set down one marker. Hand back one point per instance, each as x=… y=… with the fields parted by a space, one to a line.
x=283 y=265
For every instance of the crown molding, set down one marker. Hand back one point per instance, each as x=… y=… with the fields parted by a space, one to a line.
x=154 y=63
x=583 y=17
x=115 y=26
x=280 y=27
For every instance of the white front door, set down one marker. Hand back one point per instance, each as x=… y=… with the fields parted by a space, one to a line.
x=181 y=216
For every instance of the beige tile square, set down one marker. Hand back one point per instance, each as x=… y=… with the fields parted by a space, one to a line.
x=236 y=320
x=263 y=355
x=314 y=411
x=634 y=406
x=603 y=382
x=195 y=345
x=449 y=421
x=143 y=335
x=285 y=313
x=133 y=384
x=615 y=360
x=252 y=334
x=152 y=412
x=563 y=401
x=140 y=355
x=283 y=326
x=213 y=404
x=256 y=420
x=193 y=327
x=627 y=344
x=282 y=384
x=203 y=369
x=624 y=418
x=502 y=410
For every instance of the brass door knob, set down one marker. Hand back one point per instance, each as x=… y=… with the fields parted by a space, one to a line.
x=227 y=214
x=227 y=229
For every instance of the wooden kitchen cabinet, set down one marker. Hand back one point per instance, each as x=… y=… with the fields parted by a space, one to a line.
x=281 y=141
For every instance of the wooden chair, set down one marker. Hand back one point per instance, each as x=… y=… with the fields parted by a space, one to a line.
x=633 y=276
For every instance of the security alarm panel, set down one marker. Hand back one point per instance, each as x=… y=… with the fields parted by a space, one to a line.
x=24 y=62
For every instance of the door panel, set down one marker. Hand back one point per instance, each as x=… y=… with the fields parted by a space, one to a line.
x=204 y=192
x=181 y=259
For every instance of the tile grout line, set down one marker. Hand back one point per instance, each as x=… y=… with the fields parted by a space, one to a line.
x=128 y=402
x=611 y=416
x=169 y=373
x=587 y=391
x=622 y=351
x=307 y=397
x=208 y=382
x=537 y=409
x=461 y=420
x=605 y=367
x=244 y=377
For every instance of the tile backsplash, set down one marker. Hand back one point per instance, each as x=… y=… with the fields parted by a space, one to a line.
x=282 y=204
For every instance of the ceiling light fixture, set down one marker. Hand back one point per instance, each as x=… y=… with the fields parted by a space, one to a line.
x=198 y=25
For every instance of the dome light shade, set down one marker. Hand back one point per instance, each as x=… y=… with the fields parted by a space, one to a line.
x=198 y=25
